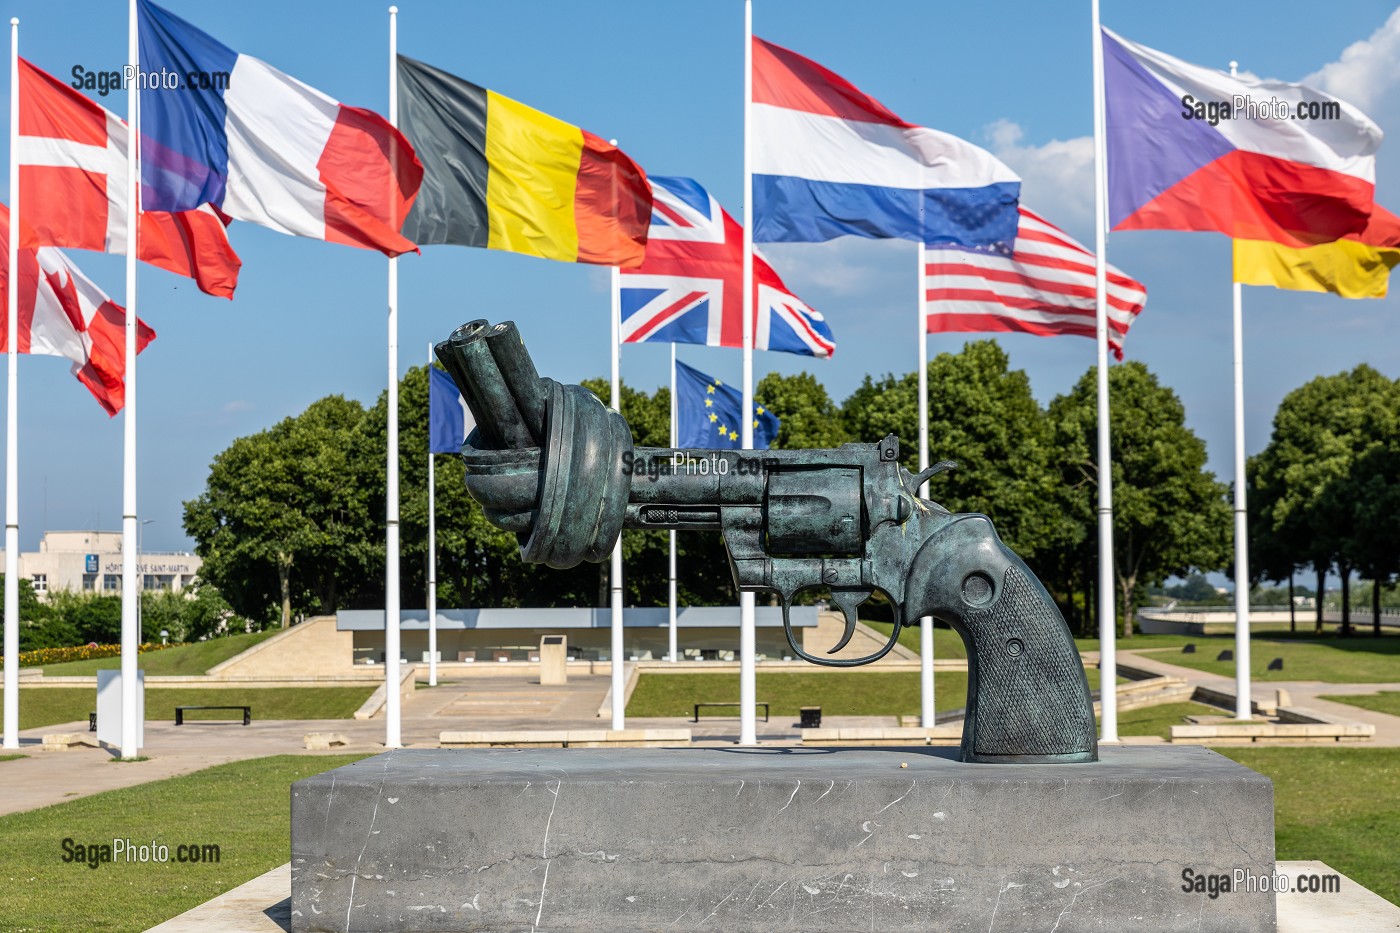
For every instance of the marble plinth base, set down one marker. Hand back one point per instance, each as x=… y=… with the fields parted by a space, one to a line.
x=783 y=839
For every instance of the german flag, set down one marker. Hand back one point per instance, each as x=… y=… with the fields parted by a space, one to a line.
x=501 y=175
x=1356 y=266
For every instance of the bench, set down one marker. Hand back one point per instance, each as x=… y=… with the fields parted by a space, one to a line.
x=756 y=703
x=180 y=712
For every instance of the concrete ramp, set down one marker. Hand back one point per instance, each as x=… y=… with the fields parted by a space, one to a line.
x=313 y=648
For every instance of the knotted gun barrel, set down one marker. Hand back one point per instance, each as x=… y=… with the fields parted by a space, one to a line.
x=552 y=464
x=545 y=460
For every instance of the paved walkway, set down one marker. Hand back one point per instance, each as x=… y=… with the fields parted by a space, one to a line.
x=1306 y=693
x=497 y=703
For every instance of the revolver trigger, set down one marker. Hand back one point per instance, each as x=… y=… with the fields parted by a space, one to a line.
x=848 y=601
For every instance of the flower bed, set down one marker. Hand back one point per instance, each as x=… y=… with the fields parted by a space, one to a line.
x=79 y=653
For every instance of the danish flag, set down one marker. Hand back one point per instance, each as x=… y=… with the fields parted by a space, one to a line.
x=688 y=288
x=62 y=313
x=72 y=181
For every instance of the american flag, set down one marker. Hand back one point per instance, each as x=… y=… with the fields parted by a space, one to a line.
x=688 y=288
x=1044 y=287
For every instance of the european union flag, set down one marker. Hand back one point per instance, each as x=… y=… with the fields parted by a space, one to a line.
x=449 y=418
x=708 y=413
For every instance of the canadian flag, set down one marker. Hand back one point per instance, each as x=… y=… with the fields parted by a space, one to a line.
x=72 y=181
x=62 y=313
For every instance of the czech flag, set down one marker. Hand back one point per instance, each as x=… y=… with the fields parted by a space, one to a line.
x=263 y=147
x=1192 y=148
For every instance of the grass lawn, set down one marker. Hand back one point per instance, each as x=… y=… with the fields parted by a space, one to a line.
x=1338 y=805
x=1356 y=660
x=240 y=807
x=1158 y=720
x=844 y=693
x=194 y=658
x=11 y=757
x=44 y=706
x=1147 y=641
x=946 y=642
x=1385 y=702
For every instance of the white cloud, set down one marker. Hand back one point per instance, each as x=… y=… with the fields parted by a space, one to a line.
x=843 y=267
x=237 y=405
x=1057 y=178
x=1367 y=69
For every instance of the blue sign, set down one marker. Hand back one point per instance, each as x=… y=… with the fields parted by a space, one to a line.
x=90 y=565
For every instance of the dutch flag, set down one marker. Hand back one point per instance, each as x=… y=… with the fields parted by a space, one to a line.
x=829 y=161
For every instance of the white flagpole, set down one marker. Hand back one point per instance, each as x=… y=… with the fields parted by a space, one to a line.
x=1242 y=689
x=432 y=540
x=672 y=581
x=926 y=710
x=131 y=593
x=392 y=669
x=1108 y=661
x=12 y=420
x=748 y=689
x=619 y=685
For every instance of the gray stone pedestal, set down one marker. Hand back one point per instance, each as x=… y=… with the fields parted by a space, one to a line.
x=780 y=839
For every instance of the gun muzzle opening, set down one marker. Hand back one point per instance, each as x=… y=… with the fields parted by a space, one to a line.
x=506 y=399
x=521 y=378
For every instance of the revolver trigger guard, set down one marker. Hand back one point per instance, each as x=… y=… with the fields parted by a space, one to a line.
x=786 y=600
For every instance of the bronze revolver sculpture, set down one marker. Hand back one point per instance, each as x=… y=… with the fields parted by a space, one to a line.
x=552 y=464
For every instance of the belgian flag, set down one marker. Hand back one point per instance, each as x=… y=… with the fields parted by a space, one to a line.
x=501 y=175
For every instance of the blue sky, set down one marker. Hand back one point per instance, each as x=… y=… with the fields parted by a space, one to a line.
x=666 y=81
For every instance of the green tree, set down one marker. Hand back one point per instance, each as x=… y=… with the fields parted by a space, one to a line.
x=1369 y=502
x=285 y=516
x=51 y=632
x=981 y=414
x=1170 y=515
x=96 y=618
x=206 y=613
x=807 y=415
x=1324 y=490
x=163 y=611
x=31 y=609
x=1195 y=589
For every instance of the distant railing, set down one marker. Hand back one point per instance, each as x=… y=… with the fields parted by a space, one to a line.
x=1216 y=613
x=1198 y=615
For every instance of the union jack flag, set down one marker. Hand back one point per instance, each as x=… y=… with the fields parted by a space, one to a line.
x=688 y=287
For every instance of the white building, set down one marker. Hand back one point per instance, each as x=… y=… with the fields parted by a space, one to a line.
x=91 y=562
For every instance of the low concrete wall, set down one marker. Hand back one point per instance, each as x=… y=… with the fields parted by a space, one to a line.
x=949 y=734
x=568 y=738
x=1264 y=733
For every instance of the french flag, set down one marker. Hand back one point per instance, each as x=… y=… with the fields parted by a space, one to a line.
x=264 y=147
x=1189 y=148
x=830 y=161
